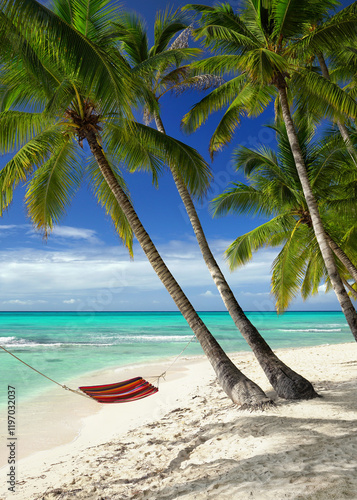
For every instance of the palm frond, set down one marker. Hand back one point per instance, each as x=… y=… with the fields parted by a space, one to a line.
x=181 y=41
x=19 y=58
x=242 y=199
x=163 y=60
x=292 y=16
x=251 y=100
x=53 y=186
x=328 y=96
x=262 y=65
x=214 y=101
x=221 y=25
x=188 y=164
x=272 y=233
x=21 y=88
x=339 y=29
x=216 y=65
x=288 y=271
x=315 y=272
x=167 y=24
x=108 y=202
x=130 y=30
x=135 y=151
x=19 y=127
x=199 y=83
x=89 y=17
x=22 y=164
x=93 y=64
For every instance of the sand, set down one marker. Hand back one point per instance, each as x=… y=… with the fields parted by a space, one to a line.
x=190 y=442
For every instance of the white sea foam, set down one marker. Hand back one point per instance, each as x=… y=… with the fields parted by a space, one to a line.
x=120 y=339
x=4 y=340
x=153 y=338
x=310 y=330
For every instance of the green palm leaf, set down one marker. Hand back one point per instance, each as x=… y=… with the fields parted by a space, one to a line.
x=292 y=16
x=167 y=25
x=216 y=100
x=19 y=127
x=53 y=186
x=163 y=60
x=271 y=233
x=96 y=66
x=288 y=271
x=250 y=101
x=107 y=200
x=130 y=30
x=136 y=151
x=22 y=164
x=315 y=272
x=220 y=25
x=326 y=93
x=339 y=29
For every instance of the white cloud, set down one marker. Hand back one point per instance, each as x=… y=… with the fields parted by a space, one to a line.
x=24 y=302
x=105 y=277
x=65 y=232
x=4 y=227
x=208 y=294
x=85 y=268
x=74 y=233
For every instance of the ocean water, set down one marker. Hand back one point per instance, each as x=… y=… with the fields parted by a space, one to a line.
x=63 y=345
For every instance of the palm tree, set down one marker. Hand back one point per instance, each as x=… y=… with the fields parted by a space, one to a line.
x=338 y=53
x=261 y=42
x=46 y=144
x=161 y=76
x=274 y=191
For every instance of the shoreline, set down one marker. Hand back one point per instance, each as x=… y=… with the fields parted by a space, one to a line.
x=72 y=411
x=191 y=400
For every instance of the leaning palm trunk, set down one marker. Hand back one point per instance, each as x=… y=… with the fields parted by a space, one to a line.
x=237 y=386
x=350 y=288
x=326 y=252
x=287 y=383
x=342 y=256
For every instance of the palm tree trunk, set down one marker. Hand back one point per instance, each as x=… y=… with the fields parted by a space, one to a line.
x=350 y=288
x=341 y=126
x=287 y=383
x=327 y=254
x=237 y=386
x=342 y=256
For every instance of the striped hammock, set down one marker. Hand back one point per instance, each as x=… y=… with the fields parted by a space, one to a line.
x=122 y=392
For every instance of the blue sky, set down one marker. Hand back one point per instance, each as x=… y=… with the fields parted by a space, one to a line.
x=83 y=265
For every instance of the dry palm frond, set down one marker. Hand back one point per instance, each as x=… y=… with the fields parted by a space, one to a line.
x=181 y=42
x=147 y=116
x=198 y=83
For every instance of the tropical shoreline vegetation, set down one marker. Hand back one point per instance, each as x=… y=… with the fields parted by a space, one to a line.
x=72 y=77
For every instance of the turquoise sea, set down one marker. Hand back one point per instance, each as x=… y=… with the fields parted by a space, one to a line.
x=63 y=345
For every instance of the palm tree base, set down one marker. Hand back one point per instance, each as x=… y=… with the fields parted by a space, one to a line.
x=260 y=406
x=289 y=384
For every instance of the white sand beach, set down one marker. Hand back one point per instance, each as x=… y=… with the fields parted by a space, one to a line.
x=189 y=441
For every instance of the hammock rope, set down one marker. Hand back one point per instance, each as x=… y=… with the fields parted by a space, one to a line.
x=120 y=392
x=43 y=375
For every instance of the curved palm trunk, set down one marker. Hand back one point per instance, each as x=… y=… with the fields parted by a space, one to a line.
x=287 y=383
x=327 y=254
x=350 y=288
x=237 y=386
x=342 y=256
